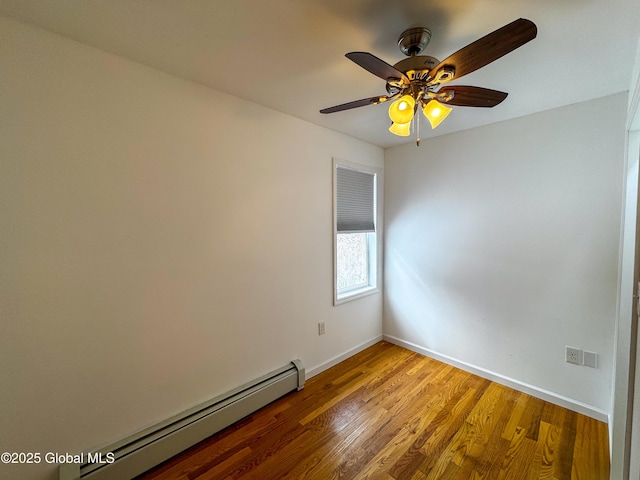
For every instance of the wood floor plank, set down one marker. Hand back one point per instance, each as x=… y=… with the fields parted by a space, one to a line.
x=467 y=443
x=407 y=418
x=488 y=455
x=402 y=450
x=516 y=415
x=531 y=417
x=549 y=443
x=518 y=457
x=391 y=414
x=445 y=426
x=567 y=444
x=590 y=455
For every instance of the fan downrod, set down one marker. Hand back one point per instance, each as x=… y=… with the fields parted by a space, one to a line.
x=414 y=40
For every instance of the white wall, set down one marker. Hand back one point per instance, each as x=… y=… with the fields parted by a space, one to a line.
x=502 y=247
x=161 y=243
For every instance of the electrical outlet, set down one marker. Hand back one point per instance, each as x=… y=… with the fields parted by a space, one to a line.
x=573 y=355
x=321 y=328
x=590 y=359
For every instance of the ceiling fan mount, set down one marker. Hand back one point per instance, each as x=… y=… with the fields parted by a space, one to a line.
x=417 y=81
x=414 y=40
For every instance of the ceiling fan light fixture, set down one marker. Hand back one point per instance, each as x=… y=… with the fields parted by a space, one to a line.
x=435 y=112
x=401 y=111
x=418 y=79
x=401 y=129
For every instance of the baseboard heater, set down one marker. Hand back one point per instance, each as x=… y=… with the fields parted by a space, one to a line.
x=140 y=452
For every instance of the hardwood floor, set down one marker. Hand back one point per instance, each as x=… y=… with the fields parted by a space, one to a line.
x=388 y=413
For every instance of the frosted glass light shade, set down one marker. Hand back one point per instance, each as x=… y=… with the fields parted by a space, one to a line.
x=435 y=112
x=401 y=129
x=401 y=111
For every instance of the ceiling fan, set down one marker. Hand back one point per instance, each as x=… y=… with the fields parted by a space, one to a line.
x=419 y=81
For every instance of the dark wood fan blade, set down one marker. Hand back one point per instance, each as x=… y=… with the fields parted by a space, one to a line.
x=489 y=48
x=376 y=66
x=464 y=96
x=350 y=105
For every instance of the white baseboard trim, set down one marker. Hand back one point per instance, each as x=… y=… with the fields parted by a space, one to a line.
x=532 y=390
x=311 y=372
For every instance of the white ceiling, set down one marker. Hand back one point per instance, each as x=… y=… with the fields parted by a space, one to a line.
x=288 y=55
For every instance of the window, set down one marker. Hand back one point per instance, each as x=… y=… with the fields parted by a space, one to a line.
x=356 y=240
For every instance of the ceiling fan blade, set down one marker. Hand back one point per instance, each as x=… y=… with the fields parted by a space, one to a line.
x=376 y=66
x=354 y=104
x=464 y=96
x=488 y=48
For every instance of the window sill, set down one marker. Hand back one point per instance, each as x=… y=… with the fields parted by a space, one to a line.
x=354 y=295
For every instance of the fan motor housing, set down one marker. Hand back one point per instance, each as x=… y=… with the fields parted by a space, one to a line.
x=417 y=67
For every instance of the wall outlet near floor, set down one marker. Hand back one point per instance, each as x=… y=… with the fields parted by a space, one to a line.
x=321 y=328
x=573 y=355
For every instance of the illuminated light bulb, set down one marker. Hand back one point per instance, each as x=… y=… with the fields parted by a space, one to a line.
x=401 y=129
x=401 y=111
x=435 y=112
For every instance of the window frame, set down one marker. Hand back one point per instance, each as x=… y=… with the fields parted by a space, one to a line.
x=374 y=239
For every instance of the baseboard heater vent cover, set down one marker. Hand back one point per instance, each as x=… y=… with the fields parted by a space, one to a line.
x=140 y=452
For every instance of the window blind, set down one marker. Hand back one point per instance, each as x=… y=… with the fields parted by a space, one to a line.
x=355 y=198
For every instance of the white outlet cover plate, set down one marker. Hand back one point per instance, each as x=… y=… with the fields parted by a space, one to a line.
x=590 y=359
x=573 y=355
